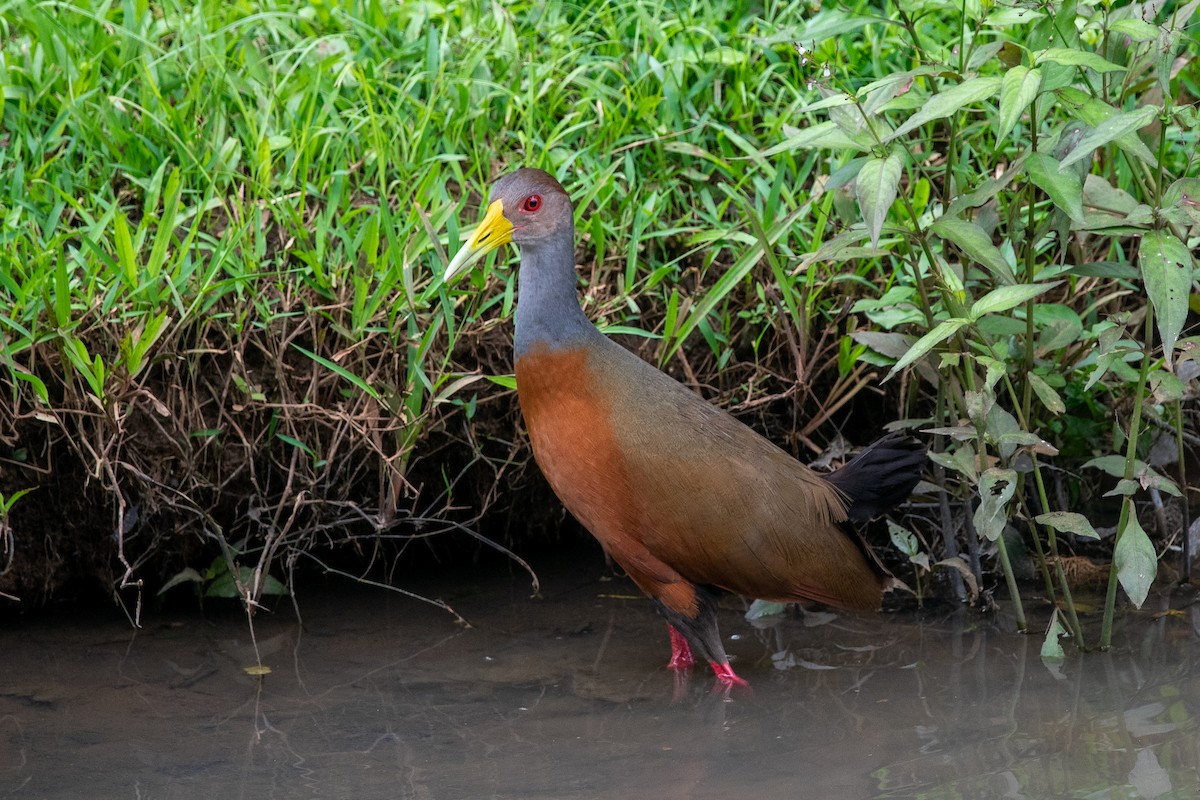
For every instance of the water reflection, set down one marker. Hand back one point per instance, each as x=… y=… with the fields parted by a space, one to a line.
x=565 y=697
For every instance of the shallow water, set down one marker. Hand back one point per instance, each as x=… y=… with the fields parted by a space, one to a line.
x=566 y=696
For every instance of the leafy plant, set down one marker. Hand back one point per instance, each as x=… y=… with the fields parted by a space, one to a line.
x=1007 y=178
x=221 y=580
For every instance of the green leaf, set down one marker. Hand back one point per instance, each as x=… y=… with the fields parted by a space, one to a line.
x=765 y=608
x=964 y=461
x=996 y=488
x=1068 y=522
x=1145 y=475
x=1051 y=649
x=1135 y=559
x=1166 y=387
x=39 y=387
x=1183 y=199
x=1064 y=188
x=876 y=190
x=1077 y=58
x=749 y=258
x=338 y=369
x=903 y=539
x=1058 y=326
x=125 y=255
x=1126 y=487
x=62 y=291
x=1025 y=439
x=1113 y=465
x=1136 y=29
x=1006 y=297
x=1094 y=112
x=824 y=134
x=164 y=235
x=272 y=586
x=943 y=104
x=986 y=190
x=223 y=585
x=1166 y=266
x=187 y=574
x=1046 y=393
x=975 y=243
x=1018 y=88
x=941 y=332
x=1111 y=129
x=507 y=381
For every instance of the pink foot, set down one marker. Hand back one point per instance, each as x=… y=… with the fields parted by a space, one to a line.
x=681 y=651
x=726 y=675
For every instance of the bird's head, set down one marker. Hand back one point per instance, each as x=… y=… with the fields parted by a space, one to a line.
x=528 y=206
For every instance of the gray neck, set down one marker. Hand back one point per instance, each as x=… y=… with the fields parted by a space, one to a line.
x=548 y=311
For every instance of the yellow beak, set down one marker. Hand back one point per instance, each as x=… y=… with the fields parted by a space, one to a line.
x=494 y=231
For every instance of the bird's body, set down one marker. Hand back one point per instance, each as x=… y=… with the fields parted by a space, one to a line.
x=683 y=496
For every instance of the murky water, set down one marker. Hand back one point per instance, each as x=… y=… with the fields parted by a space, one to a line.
x=566 y=697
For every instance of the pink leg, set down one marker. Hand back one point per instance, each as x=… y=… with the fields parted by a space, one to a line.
x=681 y=651
x=726 y=675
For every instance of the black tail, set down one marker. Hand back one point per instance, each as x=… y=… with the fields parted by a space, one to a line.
x=880 y=477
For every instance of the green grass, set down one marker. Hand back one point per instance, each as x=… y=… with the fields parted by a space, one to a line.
x=221 y=316
x=224 y=223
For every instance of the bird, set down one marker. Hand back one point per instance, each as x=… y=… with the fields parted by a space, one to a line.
x=688 y=500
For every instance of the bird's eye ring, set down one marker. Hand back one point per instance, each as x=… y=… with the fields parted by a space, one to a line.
x=532 y=203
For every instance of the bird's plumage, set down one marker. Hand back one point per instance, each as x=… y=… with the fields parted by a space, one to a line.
x=683 y=496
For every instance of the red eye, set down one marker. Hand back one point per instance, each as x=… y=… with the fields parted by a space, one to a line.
x=532 y=203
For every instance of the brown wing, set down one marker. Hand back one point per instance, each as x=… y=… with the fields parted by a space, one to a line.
x=720 y=504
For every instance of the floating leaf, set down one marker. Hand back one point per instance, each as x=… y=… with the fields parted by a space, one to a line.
x=257 y=670
x=1064 y=188
x=1135 y=559
x=1018 y=88
x=876 y=190
x=943 y=104
x=765 y=608
x=1166 y=267
x=1051 y=649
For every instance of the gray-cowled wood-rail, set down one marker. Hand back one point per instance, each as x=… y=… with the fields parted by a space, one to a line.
x=685 y=498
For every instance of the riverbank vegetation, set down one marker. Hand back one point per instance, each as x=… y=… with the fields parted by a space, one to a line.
x=227 y=357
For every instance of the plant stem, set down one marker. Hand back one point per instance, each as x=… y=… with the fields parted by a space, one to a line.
x=1135 y=423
